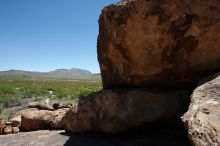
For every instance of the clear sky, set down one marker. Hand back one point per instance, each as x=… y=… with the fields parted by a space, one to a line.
x=43 y=35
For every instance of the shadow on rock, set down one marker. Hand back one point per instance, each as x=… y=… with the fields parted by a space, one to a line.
x=156 y=135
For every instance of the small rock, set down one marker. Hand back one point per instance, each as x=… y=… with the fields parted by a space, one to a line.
x=16 y=121
x=7 y=130
x=8 y=123
x=15 y=129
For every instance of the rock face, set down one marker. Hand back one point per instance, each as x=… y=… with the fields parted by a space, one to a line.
x=159 y=43
x=114 y=111
x=203 y=117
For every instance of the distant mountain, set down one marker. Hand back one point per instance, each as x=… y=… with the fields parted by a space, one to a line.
x=73 y=73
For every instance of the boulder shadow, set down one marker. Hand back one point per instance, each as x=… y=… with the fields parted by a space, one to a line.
x=151 y=135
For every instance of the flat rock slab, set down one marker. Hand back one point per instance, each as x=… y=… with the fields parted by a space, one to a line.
x=35 y=138
x=166 y=136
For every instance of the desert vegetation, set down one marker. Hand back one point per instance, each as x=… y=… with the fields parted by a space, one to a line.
x=17 y=92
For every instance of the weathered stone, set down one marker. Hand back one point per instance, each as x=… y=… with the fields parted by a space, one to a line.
x=19 y=113
x=40 y=106
x=159 y=43
x=42 y=119
x=57 y=115
x=15 y=129
x=114 y=111
x=36 y=120
x=203 y=117
x=7 y=130
x=16 y=121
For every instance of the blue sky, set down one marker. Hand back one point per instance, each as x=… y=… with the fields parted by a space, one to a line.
x=43 y=35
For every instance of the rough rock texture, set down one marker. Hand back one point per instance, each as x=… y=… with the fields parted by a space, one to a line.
x=159 y=42
x=40 y=106
x=203 y=117
x=36 y=120
x=42 y=119
x=15 y=130
x=55 y=121
x=114 y=111
x=7 y=130
x=16 y=121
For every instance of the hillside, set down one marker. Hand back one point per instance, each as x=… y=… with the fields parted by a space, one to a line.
x=73 y=73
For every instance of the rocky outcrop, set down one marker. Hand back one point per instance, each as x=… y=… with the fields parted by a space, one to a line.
x=114 y=111
x=203 y=117
x=168 y=43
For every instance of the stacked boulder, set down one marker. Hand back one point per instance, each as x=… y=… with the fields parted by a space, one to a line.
x=8 y=127
x=38 y=116
x=152 y=54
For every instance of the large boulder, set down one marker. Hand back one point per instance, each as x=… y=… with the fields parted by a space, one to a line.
x=203 y=117
x=42 y=119
x=114 y=111
x=35 y=120
x=159 y=43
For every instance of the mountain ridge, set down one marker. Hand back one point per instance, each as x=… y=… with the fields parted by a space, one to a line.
x=73 y=73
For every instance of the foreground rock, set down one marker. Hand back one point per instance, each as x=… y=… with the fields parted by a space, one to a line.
x=159 y=43
x=161 y=136
x=42 y=119
x=203 y=117
x=114 y=111
x=35 y=138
